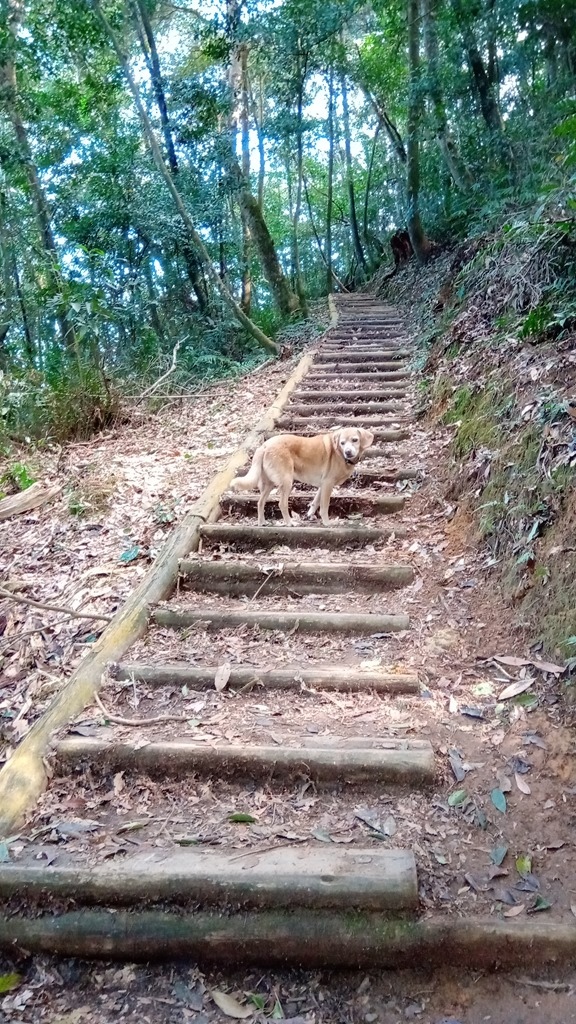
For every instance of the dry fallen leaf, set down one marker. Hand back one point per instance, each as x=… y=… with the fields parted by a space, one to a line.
x=222 y=675
x=522 y=784
x=514 y=911
x=515 y=688
x=230 y=1006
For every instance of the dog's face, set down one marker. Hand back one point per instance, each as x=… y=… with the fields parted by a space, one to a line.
x=351 y=442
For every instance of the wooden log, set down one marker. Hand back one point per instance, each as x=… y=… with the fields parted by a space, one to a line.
x=332 y=377
x=364 y=475
x=393 y=354
x=395 y=762
x=255 y=537
x=318 y=677
x=320 y=424
x=358 y=408
x=375 y=452
x=34 y=496
x=351 y=356
x=303 y=938
x=303 y=876
x=236 y=578
x=383 y=504
x=360 y=397
x=343 y=365
x=23 y=778
x=390 y=333
x=306 y=621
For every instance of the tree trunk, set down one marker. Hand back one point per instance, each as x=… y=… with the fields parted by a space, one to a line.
x=358 y=250
x=12 y=284
x=330 y=195
x=392 y=132
x=418 y=238
x=258 y=117
x=195 y=238
x=251 y=209
x=246 y=298
x=456 y=166
x=371 y=239
x=285 y=299
x=153 y=303
x=484 y=85
x=298 y=280
x=148 y=43
x=9 y=89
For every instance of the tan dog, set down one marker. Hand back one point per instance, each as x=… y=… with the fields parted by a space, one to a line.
x=324 y=460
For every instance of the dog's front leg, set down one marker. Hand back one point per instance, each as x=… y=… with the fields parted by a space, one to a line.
x=325 y=493
x=315 y=503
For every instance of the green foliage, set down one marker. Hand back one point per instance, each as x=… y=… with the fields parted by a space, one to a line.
x=122 y=269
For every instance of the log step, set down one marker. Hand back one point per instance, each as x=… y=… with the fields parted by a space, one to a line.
x=255 y=537
x=330 y=394
x=305 y=426
x=394 y=354
x=350 y=357
x=384 y=504
x=319 y=877
x=365 y=475
x=248 y=578
x=317 y=677
x=358 y=408
x=359 y=368
x=307 y=621
x=279 y=938
x=330 y=377
x=384 y=761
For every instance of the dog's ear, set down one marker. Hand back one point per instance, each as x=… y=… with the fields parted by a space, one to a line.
x=336 y=436
x=366 y=439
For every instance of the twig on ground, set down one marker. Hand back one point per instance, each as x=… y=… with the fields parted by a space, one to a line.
x=69 y=612
x=138 y=722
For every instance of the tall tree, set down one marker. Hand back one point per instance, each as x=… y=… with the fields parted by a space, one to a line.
x=354 y=227
x=11 y=12
x=460 y=173
x=187 y=221
x=420 y=243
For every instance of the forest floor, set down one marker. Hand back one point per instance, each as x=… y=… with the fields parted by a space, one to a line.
x=495 y=836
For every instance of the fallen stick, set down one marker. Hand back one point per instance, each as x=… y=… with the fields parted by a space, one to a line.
x=138 y=723
x=69 y=612
x=35 y=495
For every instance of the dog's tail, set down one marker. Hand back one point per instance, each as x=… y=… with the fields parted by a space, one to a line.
x=251 y=480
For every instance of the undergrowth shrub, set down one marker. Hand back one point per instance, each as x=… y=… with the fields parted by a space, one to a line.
x=64 y=402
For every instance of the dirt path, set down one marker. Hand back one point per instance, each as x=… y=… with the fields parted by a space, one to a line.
x=490 y=832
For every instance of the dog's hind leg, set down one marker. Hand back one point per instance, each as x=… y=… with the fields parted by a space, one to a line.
x=266 y=486
x=283 y=495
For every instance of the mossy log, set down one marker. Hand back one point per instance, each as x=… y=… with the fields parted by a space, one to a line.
x=310 y=939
